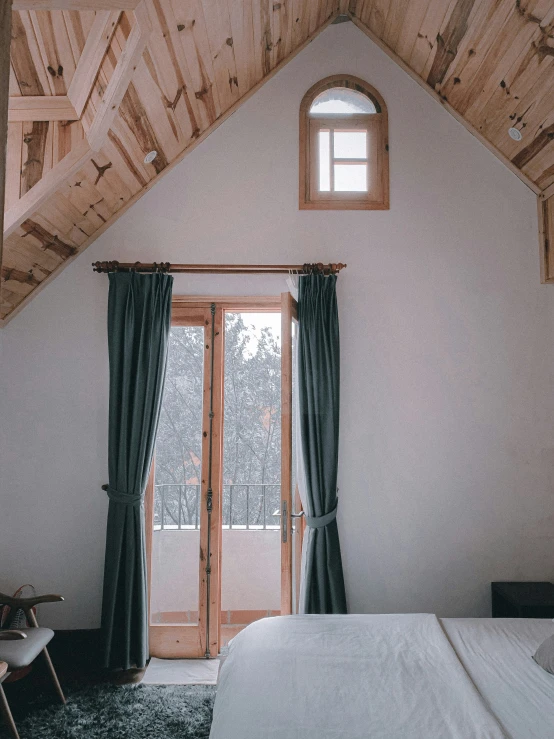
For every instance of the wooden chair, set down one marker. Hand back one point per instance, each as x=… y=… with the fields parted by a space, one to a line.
x=20 y=647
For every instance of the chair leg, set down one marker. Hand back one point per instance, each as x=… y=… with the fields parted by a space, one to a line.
x=7 y=714
x=53 y=675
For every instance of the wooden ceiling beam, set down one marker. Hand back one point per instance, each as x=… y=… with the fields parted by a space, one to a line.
x=75 y=4
x=192 y=146
x=47 y=186
x=5 y=40
x=546 y=238
x=548 y=192
x=120 y=80
x=41 y=108
x=96 y=45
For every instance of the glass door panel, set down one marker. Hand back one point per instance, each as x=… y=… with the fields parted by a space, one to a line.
x=177 y=517
x=176 y=528
x=251 y=556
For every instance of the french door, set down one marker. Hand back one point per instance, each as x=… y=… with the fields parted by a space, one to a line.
x=190 y=524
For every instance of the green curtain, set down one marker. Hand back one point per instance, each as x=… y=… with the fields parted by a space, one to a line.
x=139 y=321
x=322 y=583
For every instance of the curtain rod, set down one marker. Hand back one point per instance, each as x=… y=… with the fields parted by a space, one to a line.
x=219 y=269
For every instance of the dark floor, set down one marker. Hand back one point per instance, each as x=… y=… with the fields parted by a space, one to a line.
x=20 y=691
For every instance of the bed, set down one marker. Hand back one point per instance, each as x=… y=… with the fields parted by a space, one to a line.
x=496 y=654
x=404 y=676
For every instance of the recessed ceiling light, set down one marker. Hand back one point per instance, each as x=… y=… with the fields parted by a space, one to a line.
x=150 y=157
x=515 y=134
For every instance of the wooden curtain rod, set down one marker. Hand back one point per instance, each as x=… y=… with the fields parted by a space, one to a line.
x=219 y=269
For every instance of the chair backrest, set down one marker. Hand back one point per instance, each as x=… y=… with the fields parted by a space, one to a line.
x=15 y=618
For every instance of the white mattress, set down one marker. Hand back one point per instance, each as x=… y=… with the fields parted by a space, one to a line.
x=497 y=655
x=348 y=677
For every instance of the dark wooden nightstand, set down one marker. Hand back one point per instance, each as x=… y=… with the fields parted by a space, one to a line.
x=522 y=599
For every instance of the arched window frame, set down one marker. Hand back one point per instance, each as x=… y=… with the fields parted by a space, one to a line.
x=377 y=197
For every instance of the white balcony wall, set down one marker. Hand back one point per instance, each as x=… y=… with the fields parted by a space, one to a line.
x=251 y=570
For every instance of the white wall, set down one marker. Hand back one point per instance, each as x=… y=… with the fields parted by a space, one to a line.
x=447 y=438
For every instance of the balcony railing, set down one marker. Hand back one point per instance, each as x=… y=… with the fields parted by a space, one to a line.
x=245 y=506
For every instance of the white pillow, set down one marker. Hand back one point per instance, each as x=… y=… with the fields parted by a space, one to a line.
x=544 y=656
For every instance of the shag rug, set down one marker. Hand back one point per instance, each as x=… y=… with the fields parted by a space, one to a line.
x=119 y=712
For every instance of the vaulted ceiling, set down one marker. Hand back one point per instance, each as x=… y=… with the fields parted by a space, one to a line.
x=92 y=92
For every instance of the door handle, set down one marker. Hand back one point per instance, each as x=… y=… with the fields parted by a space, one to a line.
x=283 y=516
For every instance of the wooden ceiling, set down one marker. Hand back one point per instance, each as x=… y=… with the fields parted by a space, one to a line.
x=92 y=92
x=489 y=61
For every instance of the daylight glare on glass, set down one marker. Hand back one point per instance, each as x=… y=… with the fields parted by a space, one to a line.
x=324 y=161
x=339 y=169
x=350 y=144
x=340 y=101
x=351 y=177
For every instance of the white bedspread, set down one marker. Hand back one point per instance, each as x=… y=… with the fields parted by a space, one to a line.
x=497 y=655
x=347 y=677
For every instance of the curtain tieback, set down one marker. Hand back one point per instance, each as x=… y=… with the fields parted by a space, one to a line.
x=318 y=522
x=122 y=497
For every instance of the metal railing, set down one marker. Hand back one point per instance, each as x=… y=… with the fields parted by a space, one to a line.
x=245 y=506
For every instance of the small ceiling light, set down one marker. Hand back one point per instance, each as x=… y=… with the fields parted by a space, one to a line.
x=515 y=134
x=153 y=154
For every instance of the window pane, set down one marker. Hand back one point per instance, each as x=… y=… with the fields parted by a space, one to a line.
x=350 y=144
x=351 y=177
x=324 y=161
x=342 y=101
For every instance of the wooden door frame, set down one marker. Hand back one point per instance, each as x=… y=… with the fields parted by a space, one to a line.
x=164 y=642
x=5 y=41
x=289 y=311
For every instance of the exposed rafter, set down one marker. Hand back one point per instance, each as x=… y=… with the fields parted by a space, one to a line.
x=41 y=108
x=75 y=4
x=195 y=141
x=120 y=80
x=96 y=45
x=5 y=35
x=50 y=108
x=37 y=195
x=546 y=238
x=548 y=192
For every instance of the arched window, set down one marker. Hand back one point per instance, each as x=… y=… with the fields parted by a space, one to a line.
x=344 y=150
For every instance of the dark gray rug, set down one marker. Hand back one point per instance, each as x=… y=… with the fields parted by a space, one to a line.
x=119 y=712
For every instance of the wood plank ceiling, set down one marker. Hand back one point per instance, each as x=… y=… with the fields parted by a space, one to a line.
x=93 y=92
